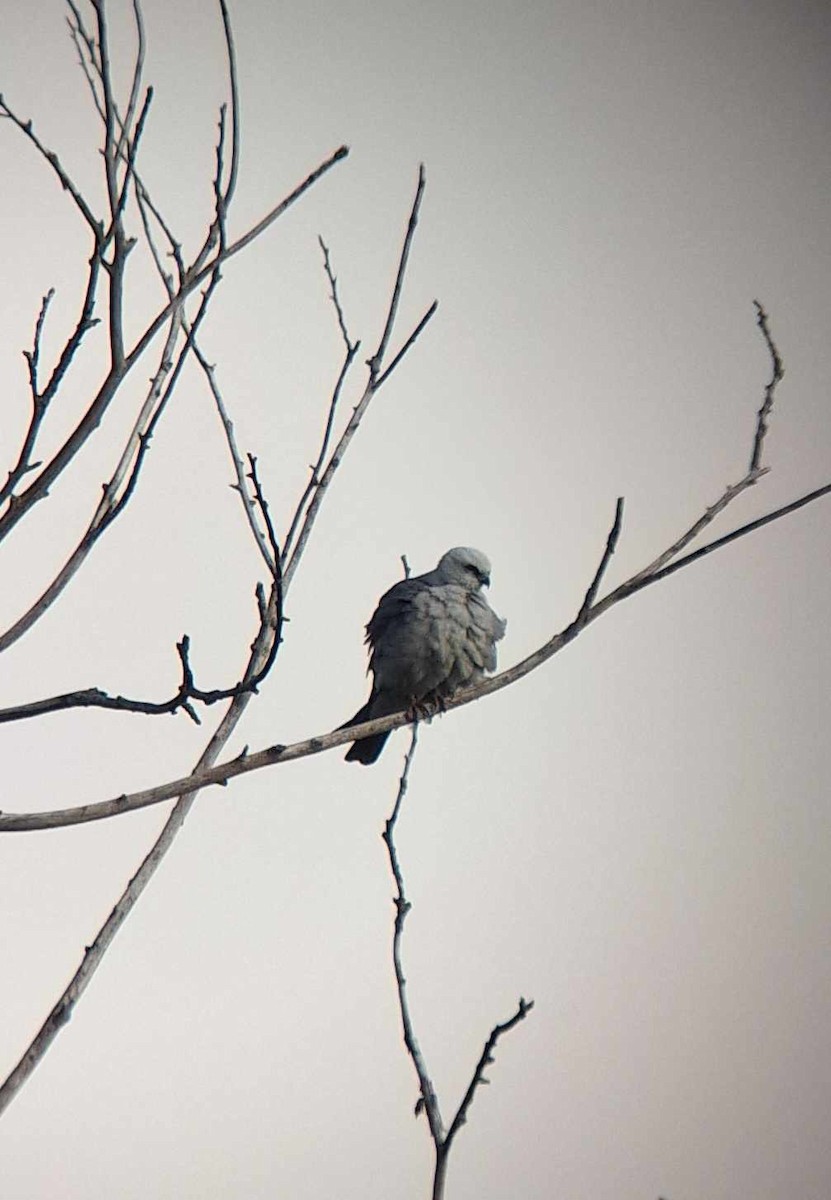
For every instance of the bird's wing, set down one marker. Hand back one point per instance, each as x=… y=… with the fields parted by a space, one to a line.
x=430 y=638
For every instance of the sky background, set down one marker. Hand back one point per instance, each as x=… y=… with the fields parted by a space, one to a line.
x=637 y=835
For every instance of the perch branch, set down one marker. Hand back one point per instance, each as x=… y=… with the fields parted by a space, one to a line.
x=329 y=741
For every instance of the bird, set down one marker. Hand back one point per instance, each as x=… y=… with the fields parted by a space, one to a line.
x=430 y=636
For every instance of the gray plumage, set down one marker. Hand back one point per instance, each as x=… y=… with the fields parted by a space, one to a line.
x=429 y=637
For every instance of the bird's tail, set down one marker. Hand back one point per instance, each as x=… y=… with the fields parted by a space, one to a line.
x=367 y=749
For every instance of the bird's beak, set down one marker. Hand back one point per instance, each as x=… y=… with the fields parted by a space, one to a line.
x=486 y=581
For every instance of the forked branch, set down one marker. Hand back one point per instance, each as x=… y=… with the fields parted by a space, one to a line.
x=428 y=1102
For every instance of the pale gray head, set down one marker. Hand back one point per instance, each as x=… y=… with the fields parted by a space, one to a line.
x=469 y=568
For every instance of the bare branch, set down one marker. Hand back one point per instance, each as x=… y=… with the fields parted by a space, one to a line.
x=184 y=697
x=110 y=157
x=233 y=86
x=375 y=362
x=727 y=538
x=333 y=292
x=315 y=478
x=777 y=373
x=611 y=544
x=87 y=54
x=275 y=556
x=241 y=485
x=523 y=1008
x=138 y=66
x=261 y=226
x=54 y=162
x=408 y=344
x=41 y=400
x=33 y=356
x=114 y=494
x=429 y=1099
x=428 y=1102
x=316 y=489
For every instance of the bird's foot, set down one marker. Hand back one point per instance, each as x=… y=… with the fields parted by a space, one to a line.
x=426 y=708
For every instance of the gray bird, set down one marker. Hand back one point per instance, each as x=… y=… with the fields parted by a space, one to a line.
x=429 y=637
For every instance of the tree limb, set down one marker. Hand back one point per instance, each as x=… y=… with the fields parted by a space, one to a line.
x=428 y=1101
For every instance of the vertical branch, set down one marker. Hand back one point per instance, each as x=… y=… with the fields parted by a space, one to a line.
x=428 y=1101
x=377 y=358
x=350 y=351
x=376 y=378
x=132 y=104
x=116 y=267
x=777 y=373
x=233 y=87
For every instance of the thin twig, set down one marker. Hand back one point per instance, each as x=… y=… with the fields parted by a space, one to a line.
x=350 y=351
x=408 y=344
x=87 y=57
x=777 y=373
x=33 y=356
x=41 y=399
x=375 y=362
x=138 y=66
x=485 y=1060
x=611 y=544
x=316 y=491
x=54 y=162
x=233 y=87
x=429 y=1099
x=241 y=485
x=262 y=504
x=333 y=293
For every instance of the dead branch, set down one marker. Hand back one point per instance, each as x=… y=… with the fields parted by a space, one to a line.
x=428 y=1101
x=351 y=350
x=317 y=490
x=590 y=610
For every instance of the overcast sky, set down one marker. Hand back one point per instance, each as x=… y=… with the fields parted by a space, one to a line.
x=636 y=836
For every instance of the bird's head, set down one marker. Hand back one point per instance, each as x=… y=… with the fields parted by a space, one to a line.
x=469 y=568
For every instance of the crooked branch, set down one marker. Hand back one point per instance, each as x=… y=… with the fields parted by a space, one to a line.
x=428 y=1101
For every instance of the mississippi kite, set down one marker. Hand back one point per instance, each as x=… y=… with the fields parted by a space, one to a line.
x=429 y=637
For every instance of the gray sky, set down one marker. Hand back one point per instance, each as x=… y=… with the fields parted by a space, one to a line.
x=637 y=835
